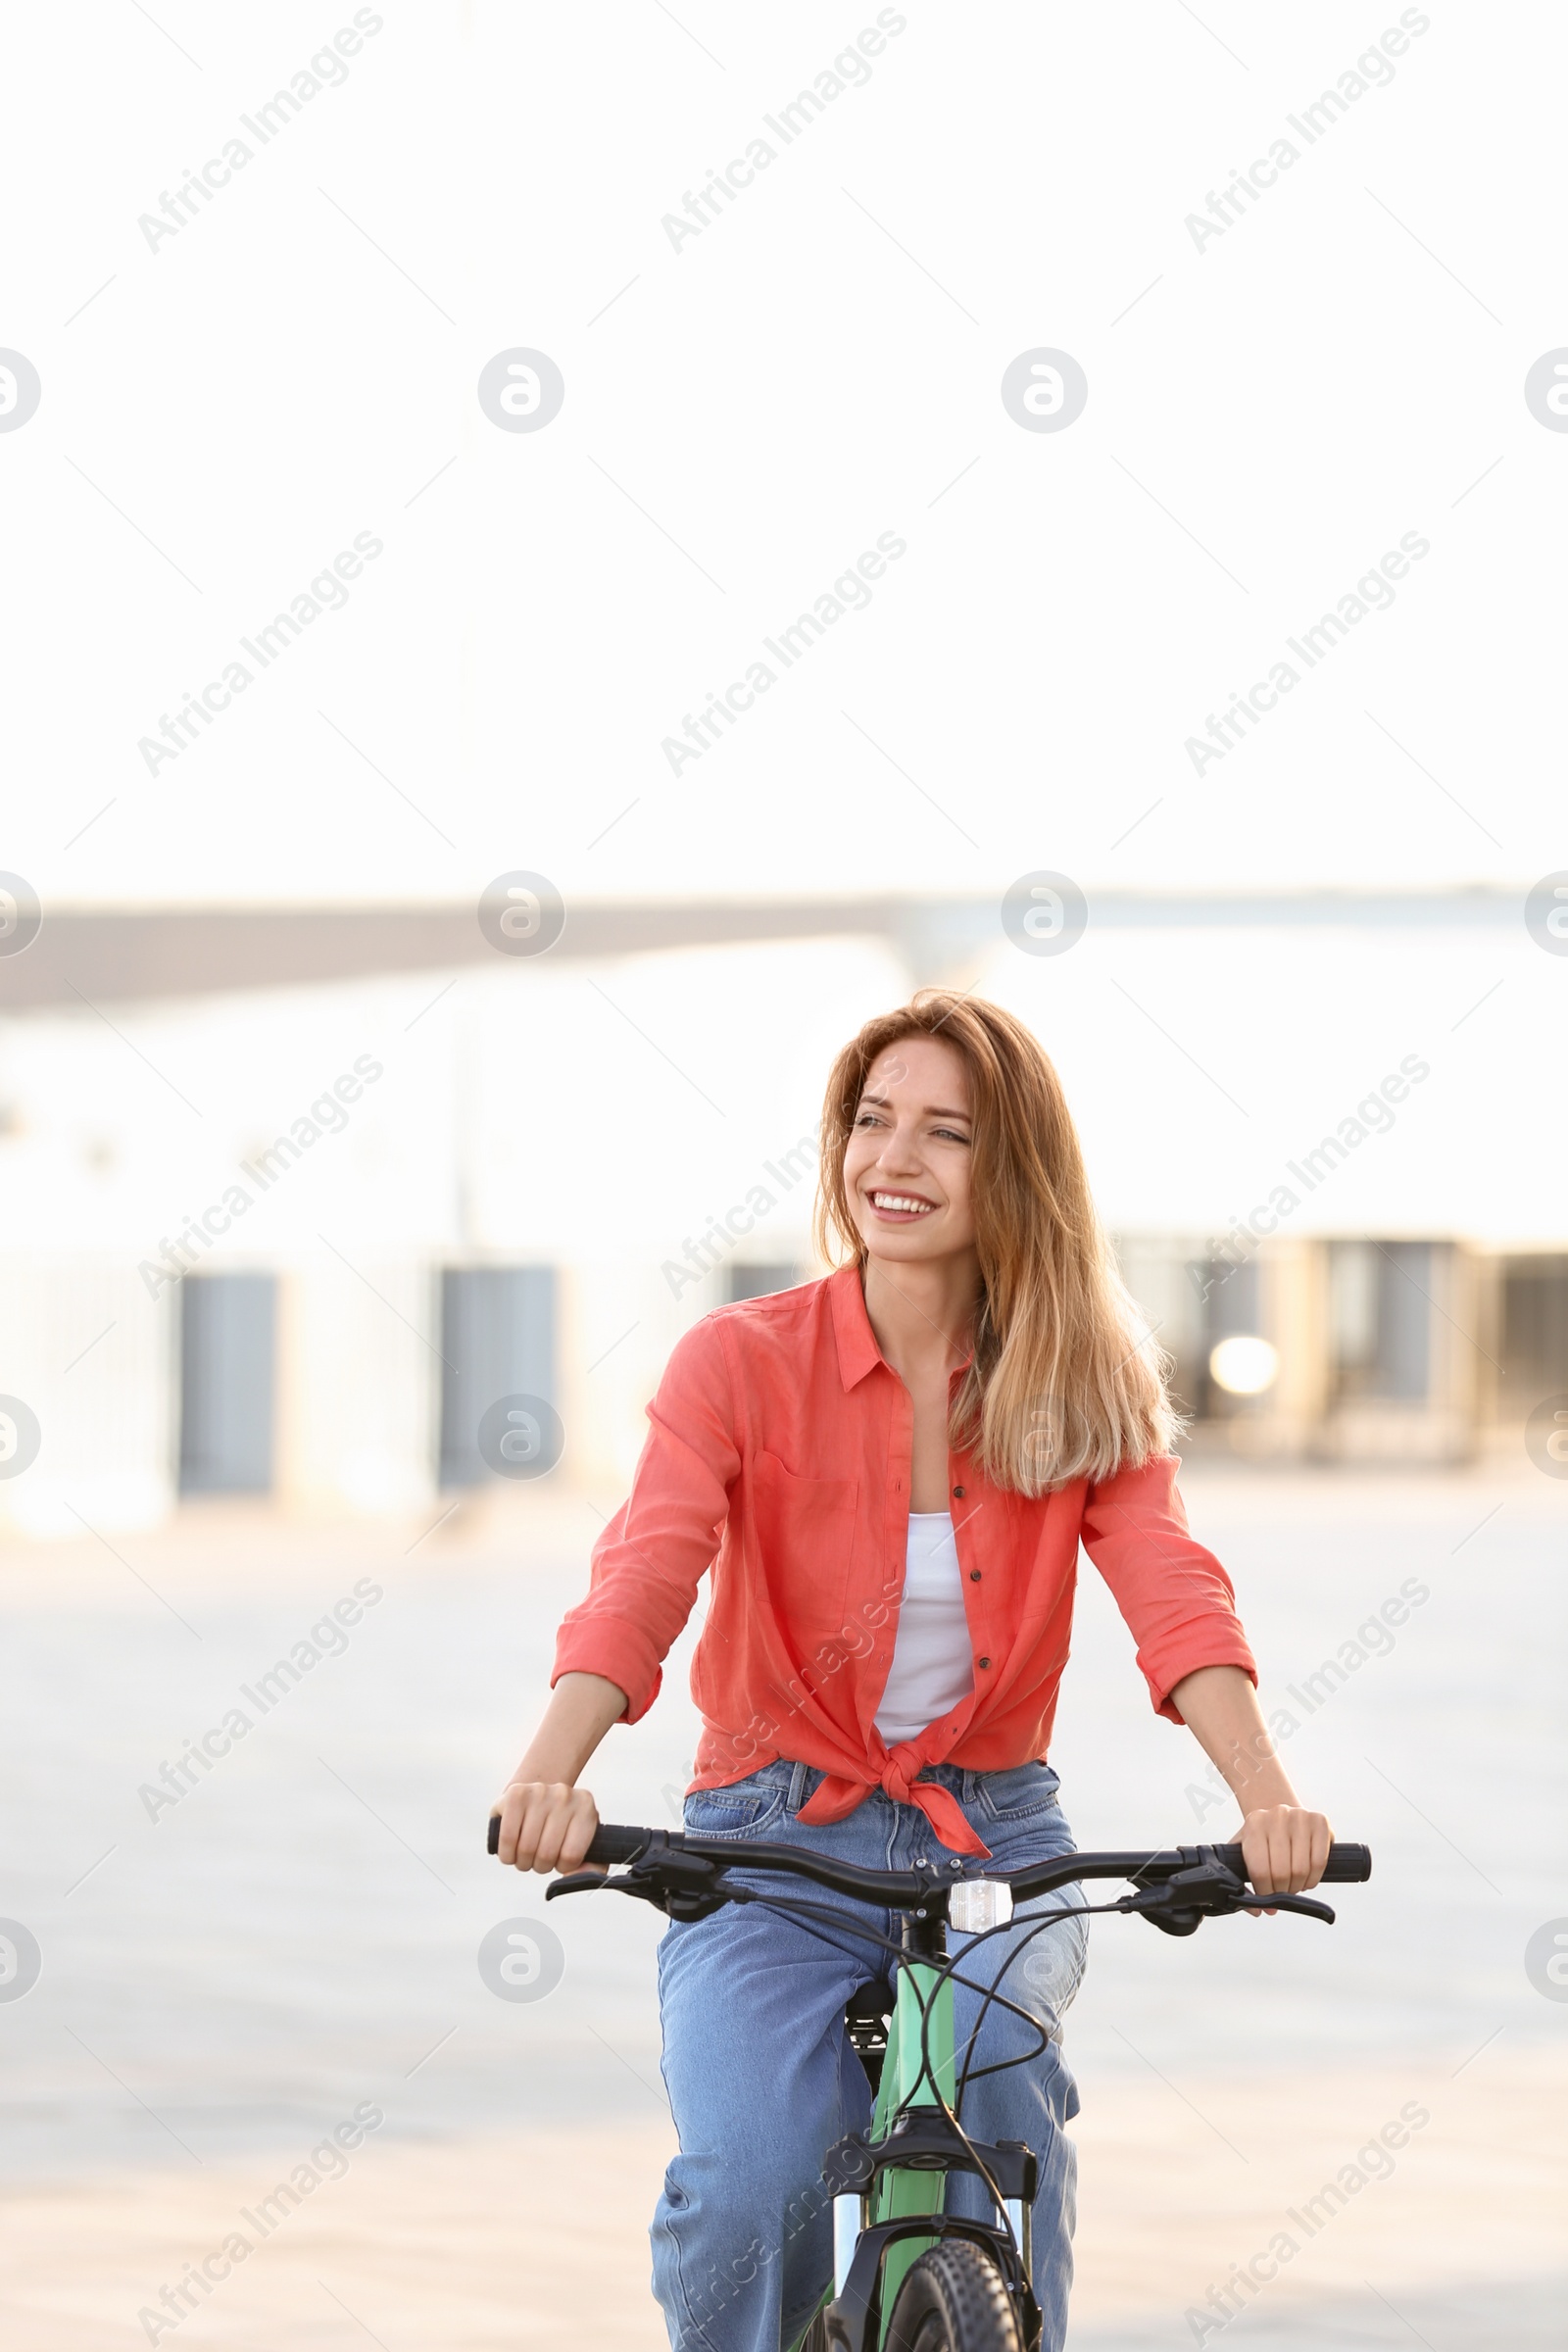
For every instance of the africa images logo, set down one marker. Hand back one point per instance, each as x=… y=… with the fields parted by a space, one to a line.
x=522 y=390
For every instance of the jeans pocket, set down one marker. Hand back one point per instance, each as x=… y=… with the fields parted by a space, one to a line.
x=745 y=1809
x=1028 y=1789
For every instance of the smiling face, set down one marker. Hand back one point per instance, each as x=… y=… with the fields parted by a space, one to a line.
x=907 y=1158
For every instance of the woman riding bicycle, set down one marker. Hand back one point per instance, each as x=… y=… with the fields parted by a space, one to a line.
x=888 y=1474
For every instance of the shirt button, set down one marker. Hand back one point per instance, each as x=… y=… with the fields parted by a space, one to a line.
x=959 y=1491
x=975 y=1576
x=985 y=1661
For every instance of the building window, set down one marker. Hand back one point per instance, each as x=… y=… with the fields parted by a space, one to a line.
x=498 y=1339
x=1229 y=1297
x=759 y=1282
x=1535 y=1333
x=1380 y=1319
x=227 y=1352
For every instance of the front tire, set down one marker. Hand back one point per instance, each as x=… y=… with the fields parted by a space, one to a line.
x=954 y=2300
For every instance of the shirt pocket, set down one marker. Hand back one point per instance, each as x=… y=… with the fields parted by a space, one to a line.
x=805 y=1542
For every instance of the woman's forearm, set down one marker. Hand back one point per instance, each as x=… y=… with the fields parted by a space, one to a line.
x=1285 y=1846
x=581 y=1709
x=1219 y=1707
x=547 y=1822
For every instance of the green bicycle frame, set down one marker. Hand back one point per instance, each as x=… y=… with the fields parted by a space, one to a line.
x=900 y=2191
x=896 y=2193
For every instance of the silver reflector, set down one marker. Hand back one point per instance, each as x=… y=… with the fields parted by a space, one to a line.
x=975 y=1905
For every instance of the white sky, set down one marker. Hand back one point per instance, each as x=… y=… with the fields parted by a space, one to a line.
x=1336 y=371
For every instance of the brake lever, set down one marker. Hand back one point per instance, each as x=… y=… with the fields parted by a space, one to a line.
x=1303 y=1903
x=1208 y=1890
x=682 y=1886
x=1179 y=1918
x=579 y=1881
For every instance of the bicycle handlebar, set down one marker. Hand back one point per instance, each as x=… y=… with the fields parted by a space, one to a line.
x=613 y=1845
x=1347 y=1865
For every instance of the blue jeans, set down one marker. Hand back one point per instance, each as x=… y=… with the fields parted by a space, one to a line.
x=761 y=2077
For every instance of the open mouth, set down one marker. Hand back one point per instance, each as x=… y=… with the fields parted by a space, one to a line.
x=900 y=1209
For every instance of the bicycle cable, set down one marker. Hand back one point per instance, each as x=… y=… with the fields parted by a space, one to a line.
x=1035 y=1927
x=799 y=1907
x=947 y=1972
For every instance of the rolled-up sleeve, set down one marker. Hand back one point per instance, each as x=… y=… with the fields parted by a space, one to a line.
x=650 y=1559
x=1176 y=1598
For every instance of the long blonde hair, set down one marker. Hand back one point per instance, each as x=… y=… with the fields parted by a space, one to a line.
x=1066 y=1381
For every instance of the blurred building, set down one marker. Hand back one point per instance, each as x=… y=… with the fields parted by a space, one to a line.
x=349 y=1229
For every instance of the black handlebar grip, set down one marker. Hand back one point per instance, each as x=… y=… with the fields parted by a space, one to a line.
x=609 y=1844
x=613 y=1845
x=1346 y=1866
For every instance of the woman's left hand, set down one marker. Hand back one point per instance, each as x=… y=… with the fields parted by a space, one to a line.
x=1285 y=1849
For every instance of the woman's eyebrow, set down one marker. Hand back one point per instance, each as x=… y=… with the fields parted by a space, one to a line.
x=930 y=1111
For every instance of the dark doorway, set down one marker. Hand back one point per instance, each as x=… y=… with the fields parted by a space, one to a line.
x=1380 y=1319
x=1535 y=1333
x=227 y=1360
x=1229 y=1295
x=498 y=1339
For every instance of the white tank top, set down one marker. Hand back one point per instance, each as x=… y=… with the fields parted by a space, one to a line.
x=932 y=1669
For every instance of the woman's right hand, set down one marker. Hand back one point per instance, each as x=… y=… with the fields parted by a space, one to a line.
x=545 y=1825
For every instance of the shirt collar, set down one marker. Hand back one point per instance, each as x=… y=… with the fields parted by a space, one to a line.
x=852 y=1327
x=857 y=1349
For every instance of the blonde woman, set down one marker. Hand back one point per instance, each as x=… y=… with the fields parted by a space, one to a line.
x=888 y=1475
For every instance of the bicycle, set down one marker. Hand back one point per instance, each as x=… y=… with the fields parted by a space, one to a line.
x=908 y=2277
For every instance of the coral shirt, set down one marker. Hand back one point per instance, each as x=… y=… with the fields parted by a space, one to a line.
x=779 y=1459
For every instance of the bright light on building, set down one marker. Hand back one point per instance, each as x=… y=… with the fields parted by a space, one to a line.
x=1244 y=1366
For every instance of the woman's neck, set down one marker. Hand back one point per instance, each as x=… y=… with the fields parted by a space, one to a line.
x=922 y=1314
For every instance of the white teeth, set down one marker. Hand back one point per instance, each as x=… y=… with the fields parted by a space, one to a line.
x=898 y=1200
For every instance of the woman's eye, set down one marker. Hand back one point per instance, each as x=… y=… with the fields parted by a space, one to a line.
x=951 y=1135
